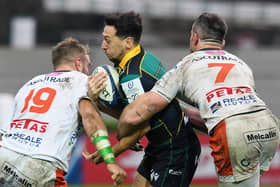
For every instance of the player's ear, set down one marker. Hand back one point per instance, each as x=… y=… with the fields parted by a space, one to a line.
x=223 y=43
x=78 y=64
x=129 y=42
x=195 y=38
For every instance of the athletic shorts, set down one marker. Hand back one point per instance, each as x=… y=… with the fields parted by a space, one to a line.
x=171 y=168
x=244 y=144
x=23 y=171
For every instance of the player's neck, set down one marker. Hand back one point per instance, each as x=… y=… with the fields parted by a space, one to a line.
x=64 y=68
x=209 y=45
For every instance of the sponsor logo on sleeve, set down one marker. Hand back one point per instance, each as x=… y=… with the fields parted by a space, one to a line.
x=75 y=135
x=132 y=89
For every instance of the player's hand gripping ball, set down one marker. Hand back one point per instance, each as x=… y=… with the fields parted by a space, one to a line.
x=110 y=95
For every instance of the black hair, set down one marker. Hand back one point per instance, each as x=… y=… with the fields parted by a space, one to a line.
x=128 y=24
x=210 y=27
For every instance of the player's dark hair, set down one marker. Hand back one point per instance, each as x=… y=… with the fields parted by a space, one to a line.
x=68 y=49
x=128 y=24
x=210 y=27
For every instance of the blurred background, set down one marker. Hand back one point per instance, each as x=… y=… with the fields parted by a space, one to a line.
x=29 y=28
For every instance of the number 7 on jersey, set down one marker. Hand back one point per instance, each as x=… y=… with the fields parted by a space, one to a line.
x=222 y=74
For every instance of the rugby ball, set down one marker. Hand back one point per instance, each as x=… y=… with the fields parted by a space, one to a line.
x=110 y=95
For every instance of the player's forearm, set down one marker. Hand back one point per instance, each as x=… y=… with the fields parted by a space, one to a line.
x=126 y=142
x=101 y=141
x=92 y=123
x=139 y=111
x=123 y=145
x=132 y=116
x=195 y=119
x=99 y=137
x=91 y=118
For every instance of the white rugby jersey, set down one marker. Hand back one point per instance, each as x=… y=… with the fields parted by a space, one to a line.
x=217 y=82
x=45 y=121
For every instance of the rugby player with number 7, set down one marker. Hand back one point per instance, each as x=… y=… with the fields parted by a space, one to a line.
x=244 y=134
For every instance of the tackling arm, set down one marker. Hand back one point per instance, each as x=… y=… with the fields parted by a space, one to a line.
x=124 y=144
x=195 y=119
x=96 y=130
x=91 y=118
x=139 y=111
x=194 y=116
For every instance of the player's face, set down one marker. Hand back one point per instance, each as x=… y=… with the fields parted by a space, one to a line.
x=113 y=46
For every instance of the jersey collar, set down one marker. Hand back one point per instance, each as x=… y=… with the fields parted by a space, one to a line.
x=208 y=49
x=62 y=71
x=132 y=53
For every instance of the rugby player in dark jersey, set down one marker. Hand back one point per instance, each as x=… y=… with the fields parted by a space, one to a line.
x=172 y=154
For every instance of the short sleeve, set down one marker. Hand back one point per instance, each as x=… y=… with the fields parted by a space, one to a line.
x=170 y=84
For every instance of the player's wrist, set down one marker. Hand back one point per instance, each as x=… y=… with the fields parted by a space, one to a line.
x=93 y=97
x=101 y=140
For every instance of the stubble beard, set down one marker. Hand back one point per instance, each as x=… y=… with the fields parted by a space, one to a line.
x=115 y=61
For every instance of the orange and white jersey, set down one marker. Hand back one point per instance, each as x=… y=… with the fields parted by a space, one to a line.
x=45 y=121
x=217 y=82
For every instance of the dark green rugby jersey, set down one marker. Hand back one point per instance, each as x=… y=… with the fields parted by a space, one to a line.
x=139 y=70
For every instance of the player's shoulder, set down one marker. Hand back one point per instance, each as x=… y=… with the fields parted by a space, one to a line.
x=151 y=57
x=35 y=79
x=77 y=73
x=152 y=65
x=186 y=60
x=73 y=75
x=78 y=77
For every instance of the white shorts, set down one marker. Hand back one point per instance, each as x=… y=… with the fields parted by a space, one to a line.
x=244 y=144
x=23 y=171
